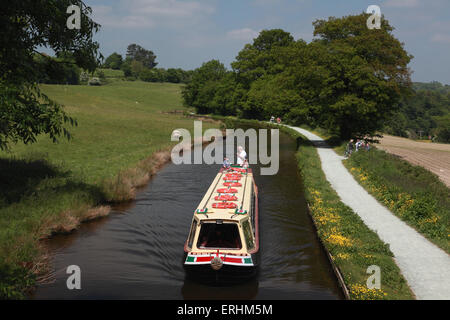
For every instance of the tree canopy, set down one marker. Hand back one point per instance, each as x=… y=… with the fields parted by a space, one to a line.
x=349 y=79
x=137 y=53
x=26 y=25
x=114 y=61
x=424 y=113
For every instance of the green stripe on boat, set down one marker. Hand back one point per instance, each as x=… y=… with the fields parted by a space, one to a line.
x=190 y=259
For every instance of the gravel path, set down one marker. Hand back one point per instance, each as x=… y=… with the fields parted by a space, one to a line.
x=425 y=267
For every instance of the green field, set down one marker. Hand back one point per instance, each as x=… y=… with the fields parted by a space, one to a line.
x=111 y=73
x=45 y=186
x=118 y=125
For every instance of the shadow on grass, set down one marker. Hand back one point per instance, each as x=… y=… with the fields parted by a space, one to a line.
x=326 y=144
x=21 y=178
x=33 y=193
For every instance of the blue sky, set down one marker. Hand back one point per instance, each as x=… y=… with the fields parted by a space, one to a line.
x=186 y=33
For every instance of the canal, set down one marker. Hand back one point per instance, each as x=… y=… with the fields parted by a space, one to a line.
x=137 y=251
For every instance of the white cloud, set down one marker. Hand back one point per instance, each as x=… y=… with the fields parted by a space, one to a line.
x=107 y=18
x=242 y=34
x=441 y=38
x=401 y=3
x=149 y=13
x=273 y=2
x=169 y=8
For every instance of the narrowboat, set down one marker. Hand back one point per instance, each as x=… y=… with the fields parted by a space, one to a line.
x=223 y=241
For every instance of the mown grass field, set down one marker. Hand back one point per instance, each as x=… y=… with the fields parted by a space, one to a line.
x=44 y=185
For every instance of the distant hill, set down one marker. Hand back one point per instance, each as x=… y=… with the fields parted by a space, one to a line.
x=425 y=113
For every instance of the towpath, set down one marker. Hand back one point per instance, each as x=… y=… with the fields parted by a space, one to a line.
x=425 y=266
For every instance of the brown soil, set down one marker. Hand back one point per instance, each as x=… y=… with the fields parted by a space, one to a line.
x=432 y=156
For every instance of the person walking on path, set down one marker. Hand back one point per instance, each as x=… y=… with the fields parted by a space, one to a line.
x=349 y=150
x=358 y=145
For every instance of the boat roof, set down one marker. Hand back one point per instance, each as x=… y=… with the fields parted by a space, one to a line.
x=243 y=195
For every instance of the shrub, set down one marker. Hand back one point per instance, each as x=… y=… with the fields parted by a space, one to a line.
x=84 y=77
x=94 y=82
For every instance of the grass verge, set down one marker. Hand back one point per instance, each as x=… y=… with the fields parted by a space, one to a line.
x=122 y=139
x=352 y=245
x=413 y=193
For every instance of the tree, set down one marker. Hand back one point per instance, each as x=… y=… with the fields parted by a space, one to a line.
x=378 y=47
x=25 y=111
x=348 y=80
x=114 y=61
x=136 y=67
x=367 y=74
x=443 y=129
x=162 y=74
x=147 y=57
x=424 y=111
x=149 y=75
x=258 y=59
x=201 y=90
x=173 y=75
x=126 y=67
x=59 y=70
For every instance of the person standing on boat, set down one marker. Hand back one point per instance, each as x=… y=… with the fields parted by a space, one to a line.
x=245 y=165
x=226 y=163
x=241 y=155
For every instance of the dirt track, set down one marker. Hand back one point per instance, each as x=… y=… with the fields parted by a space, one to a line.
x=432 y=156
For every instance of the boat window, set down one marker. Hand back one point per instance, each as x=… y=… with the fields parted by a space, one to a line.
x=225 y=235
x=192 y=233
x=248 y=234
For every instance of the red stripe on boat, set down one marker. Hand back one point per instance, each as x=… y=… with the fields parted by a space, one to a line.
x=233 y=260
x=203 y=259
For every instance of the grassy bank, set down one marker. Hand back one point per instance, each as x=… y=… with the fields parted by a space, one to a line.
x=122 y=138
x=413 y=193
x=352 y=245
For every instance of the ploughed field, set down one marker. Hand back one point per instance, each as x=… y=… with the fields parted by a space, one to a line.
x=432 y=156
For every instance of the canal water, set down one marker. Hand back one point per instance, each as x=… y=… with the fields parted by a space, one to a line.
x=137 y=251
